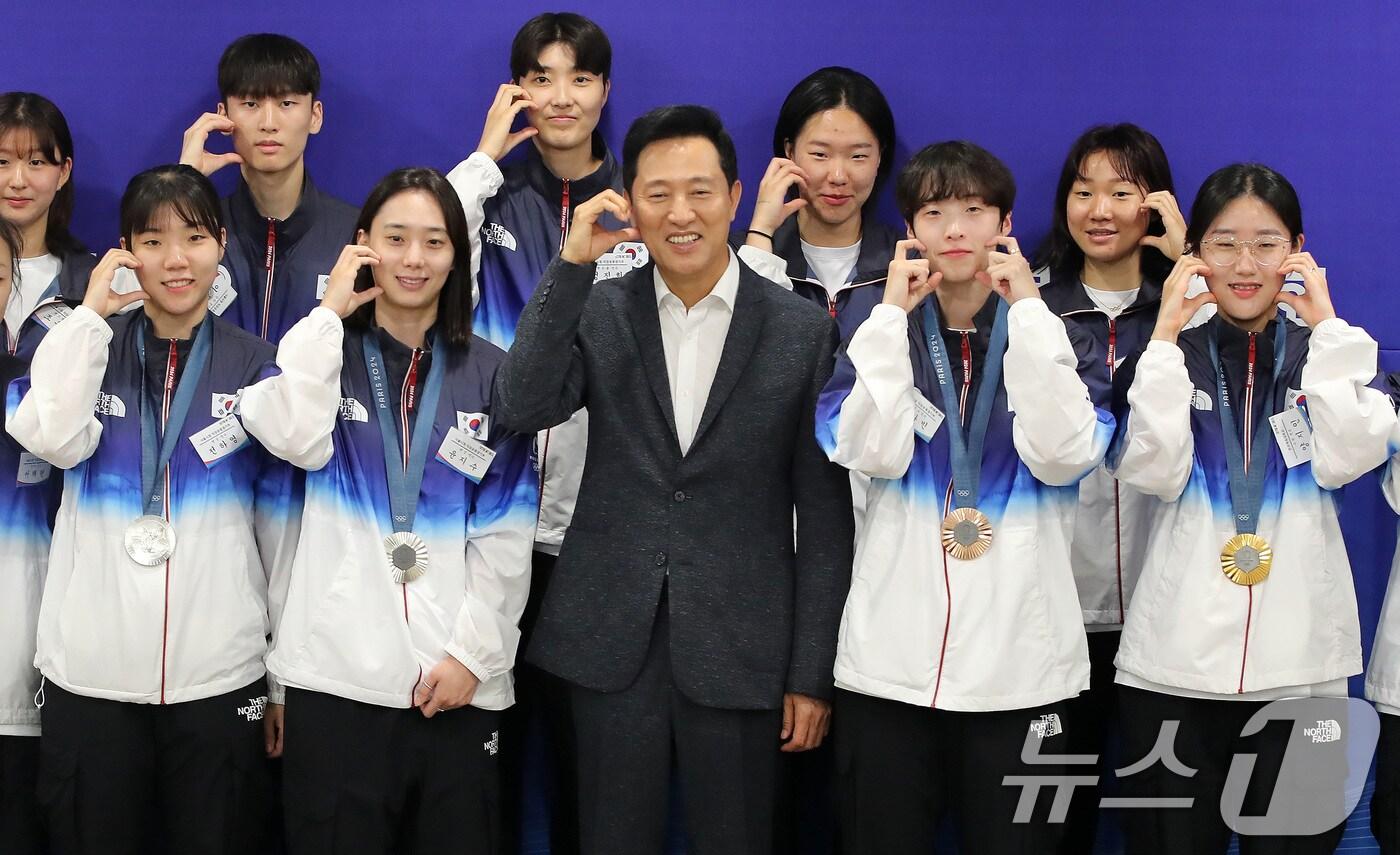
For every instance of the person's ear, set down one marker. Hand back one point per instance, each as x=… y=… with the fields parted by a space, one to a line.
x=787 y=149
x=362 y=237
x=221 y=109
x=65 y=172
x=223 y=243
x=736 y=192
x=607 y=90
x=1006 y=224
x=317 y=116
x=121 y=242
x=1299 y=241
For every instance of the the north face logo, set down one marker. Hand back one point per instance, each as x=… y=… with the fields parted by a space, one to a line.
x=254 y=710
x=494 y=745
x=1326 y=731
x=1047 y=725
x=110 y=405
x=497 y=234
x=352 y=410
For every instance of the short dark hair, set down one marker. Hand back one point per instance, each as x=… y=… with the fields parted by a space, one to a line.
x=27 y=111
x=1139 y=159
x=956 y=169
x=265 y=65
x=831 y=88
x=591 y=48
x=454 y=316
x=1236 y=181
x=181 y=188
x=674 y=122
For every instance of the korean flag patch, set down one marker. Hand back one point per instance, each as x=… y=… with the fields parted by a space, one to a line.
x=474 y=425
x=225 y=404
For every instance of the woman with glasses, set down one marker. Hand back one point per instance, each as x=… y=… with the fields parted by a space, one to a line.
x=1242 y=427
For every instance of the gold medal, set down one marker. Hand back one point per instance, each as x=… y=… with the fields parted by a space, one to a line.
x=1246 y=559
x=967 y=534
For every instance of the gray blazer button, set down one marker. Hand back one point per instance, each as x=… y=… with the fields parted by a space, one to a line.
x=680 y=496
x=660 y=559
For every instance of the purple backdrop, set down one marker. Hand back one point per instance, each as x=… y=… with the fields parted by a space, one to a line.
x=1312 y=89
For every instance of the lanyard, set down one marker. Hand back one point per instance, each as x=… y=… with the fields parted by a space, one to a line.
x=965 y=449
x=1246 y=476
x=153 y=461
x=404 y=472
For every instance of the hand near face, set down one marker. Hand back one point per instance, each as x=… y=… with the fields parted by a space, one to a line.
x=772 y=208
x=1173 y=243
x=1176 y=310
x=1314 y=305
x=341 y=296
x=193 y=152
x=1008 y=273
x=100 y=297
x=588 y=240
x=448 y=686
x=497 y=139
x=908 y=280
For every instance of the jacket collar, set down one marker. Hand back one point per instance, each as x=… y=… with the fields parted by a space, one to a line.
x=1065 y=295
x=245 y=220
x=544 y=182
x=876 y=249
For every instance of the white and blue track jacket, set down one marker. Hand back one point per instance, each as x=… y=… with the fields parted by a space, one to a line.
x=1191 y=630
x=195 y=626
x=1002 y=631
x=1383 y=675
x=29 y=492
x=344 y=627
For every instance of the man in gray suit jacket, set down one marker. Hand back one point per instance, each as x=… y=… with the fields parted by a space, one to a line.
x=680 y=613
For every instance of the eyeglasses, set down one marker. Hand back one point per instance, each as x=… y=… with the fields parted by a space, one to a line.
x=1267 y=251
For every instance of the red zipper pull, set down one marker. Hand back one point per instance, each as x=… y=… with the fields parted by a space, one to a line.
x=564 y=215
x=1112 y=344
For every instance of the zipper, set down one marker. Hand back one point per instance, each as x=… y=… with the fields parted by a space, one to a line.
x=269 y=265
x=1247 y=443
x=564 y=215
x=408 y=402
x=831 y=306
x=1117 y=498
x=171 y=364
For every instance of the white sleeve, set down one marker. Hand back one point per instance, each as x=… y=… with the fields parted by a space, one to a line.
x=55 y=417
x=475 y=179
x=766 y=264
x=1158 y=447
x=1057 y=430
x=872 y=428
x=500 y=540
x=1352 y=423
x=293 y=412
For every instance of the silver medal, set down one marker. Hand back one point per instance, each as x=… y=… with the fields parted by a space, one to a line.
x=149 y=540
x=408 y=556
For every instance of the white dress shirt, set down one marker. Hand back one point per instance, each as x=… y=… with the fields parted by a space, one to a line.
x=693 y=341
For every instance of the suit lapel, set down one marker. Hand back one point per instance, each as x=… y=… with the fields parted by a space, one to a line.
x=739 y=344
x=646 y=328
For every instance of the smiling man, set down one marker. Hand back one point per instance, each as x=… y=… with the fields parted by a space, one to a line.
x=681 y=615
x=284 y=234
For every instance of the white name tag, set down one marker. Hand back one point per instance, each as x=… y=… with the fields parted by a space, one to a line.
x=927 y=417
x=33 y=469
x=221 y=293
x=321 y=282
x=219 y=440
x=1293 y=435
x=51 y=315
x=621 y=260
x=466 y=455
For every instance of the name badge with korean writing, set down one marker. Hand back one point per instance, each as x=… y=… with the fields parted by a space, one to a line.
x=466 y=455
x=1294 y=436
x=219 y=440
x=33 y=469
x=927 y=417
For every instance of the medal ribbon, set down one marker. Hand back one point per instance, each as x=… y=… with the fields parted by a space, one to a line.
x=1246 y=476
x=965 y=449
x=405 y=479
x=153 y=461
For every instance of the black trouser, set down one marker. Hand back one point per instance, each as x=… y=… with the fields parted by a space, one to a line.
x=901 y=767
x=1207 y=740
x=541 y=712
x=725 y=759
x=805 y=812
x=21 y=832
x=1385 y=804
x=121 y=778
x=1095 y=716
x=361 y=779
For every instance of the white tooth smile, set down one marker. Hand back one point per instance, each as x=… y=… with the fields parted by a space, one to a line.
x=682 y=239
